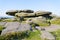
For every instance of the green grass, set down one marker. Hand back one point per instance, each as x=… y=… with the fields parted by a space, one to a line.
x=56 y=21
x=56 y=34
x=34 y=35
x=13 y=36
x=1 y=28
x=42 y=24
x=22 y=35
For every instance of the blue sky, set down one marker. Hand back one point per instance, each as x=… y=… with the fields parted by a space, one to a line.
x=44 y=5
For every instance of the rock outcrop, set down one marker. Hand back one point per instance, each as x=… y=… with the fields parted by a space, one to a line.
x=42 y=13
x=28 y=13
x=15 y=27
x=13 y=12
x=21 y=14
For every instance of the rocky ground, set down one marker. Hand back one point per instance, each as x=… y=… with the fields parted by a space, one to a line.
x=46 y=31
x=16 y=26
x=42 y=18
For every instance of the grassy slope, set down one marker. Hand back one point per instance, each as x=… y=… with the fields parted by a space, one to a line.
x=1 y=28
x=56 y=34
x=34 y=35
x=56 y=21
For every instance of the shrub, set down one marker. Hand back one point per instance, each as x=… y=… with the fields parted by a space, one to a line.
x=34 y=35
x=1 y=28
x=13 y=36
x=21 y=35
x=34 y=24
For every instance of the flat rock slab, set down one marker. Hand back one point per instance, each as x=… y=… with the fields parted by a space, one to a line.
x=52 y=28
x=3 y=23
x=15 y=27
x=47 y=35
x=12 y=24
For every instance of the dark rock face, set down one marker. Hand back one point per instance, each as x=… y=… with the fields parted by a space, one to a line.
x=45 y=14
x=42 y=13
x=26 y=11
x=0 y=32
x=13 y=12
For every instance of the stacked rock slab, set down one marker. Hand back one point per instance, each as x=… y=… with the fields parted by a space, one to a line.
x=27 y=13
x=36 y=14
x=16 y=26
x=41 y=13
x=13 y=12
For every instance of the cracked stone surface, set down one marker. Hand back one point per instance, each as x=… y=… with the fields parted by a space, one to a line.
x=15 y=27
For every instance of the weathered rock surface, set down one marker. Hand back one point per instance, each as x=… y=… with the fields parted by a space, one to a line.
x=15 y=27
x=26 y=11
x=2 y=23
x=25 y=14
x=43 y=13
x=47 y=35
x=13 y=12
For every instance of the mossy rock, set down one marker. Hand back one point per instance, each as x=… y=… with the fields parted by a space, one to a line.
x=43 y=13
x=24 y=14
x=13 y=12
